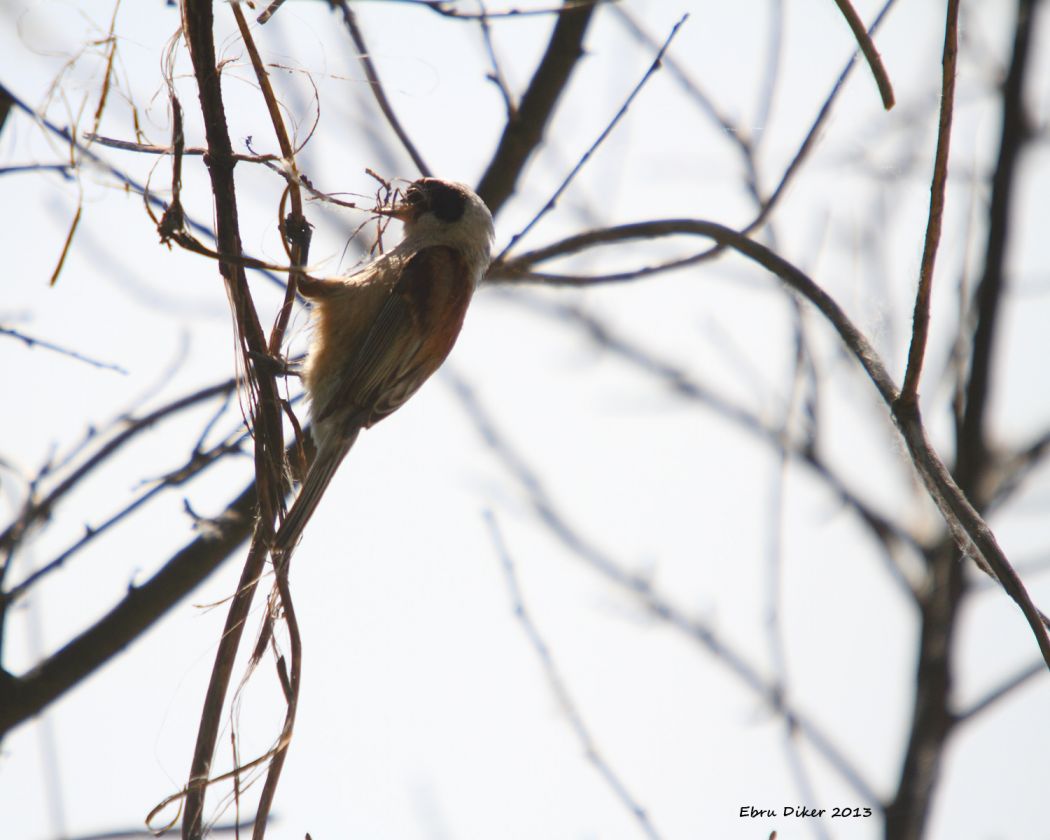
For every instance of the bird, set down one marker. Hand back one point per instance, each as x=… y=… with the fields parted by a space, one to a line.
x=381 y=332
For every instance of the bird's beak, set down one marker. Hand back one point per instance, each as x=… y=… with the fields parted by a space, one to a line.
x=402 y=211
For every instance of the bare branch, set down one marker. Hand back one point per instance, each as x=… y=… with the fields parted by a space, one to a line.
x=350 y=19
x=143 y=606
x=697 y=630
x=198 y=463
x=932 y=721
x=446 y=8
x=295 y=229
x=524 y=133
x=921 y=318
x=867 y=46
x=36 y=511
x=971 y=445
x=677 y=379
x=496 y=76
x=561 y=691
x=810 y=140
x=153 y=149
x=1000 y=693
x=198 y=22
x=968 y=528
x=29 y=341
x=564 y=185
x=291 y=683
x=146 y=834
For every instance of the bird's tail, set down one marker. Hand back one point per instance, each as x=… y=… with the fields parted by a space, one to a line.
x=329 y=456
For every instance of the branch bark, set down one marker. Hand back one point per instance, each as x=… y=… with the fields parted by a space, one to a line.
x=25 y=697
x=198 y=22
x=525 y=129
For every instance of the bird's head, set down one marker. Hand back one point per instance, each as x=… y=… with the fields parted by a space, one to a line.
x=438 y=212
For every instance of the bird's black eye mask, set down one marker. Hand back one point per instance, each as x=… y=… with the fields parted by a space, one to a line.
x=445 y=202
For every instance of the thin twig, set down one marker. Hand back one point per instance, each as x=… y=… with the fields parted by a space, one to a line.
x=561 y=691
x=726 y=126
x=814 y=131
x=770 y=76
x=766 y=210
x=35 y=511
x=295 y=229
x=1016 y=468
x=350 y=19
x=968 y=528
x=111 y=53
x=971 y=446
x=296 y=237
x=553 y=200
x=66 y=170
x=999 y=693
x=86 y=154
x=678 y=380
x=146 y=834
x=29 y=341
x=641 y=588
x=291 y=687
x=775 y=635
x=153 y=149
x=921 y=318
x=142 y=607
x=867 y=46
x=269 y=12
x=444 y=8
x=496 y=76
x=198 y=463
x=68 y=241
x=525 y=133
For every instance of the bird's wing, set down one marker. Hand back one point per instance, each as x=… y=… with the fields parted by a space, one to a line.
x=407 y=340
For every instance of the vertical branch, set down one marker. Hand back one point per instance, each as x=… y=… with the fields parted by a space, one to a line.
x=296 y=231
x=971 y=446
x=296 y=238
x=496 y=76
x=932 y=718
x=198 y=21
x=921 y=318
x=932 y=721
x=290 y=684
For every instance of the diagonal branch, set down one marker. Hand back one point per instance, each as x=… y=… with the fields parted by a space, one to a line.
x=968 y=528
x=525 y=131
x=871 y=54
x=696 y=630
x=678 y=380
x=140 y=609
x=34 y=512
x=564 y=185
x=560 y=689
x=358 y=37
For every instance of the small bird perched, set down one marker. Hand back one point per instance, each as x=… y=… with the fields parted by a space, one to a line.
x=381 y=332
